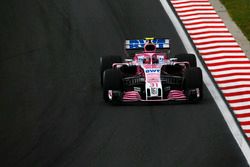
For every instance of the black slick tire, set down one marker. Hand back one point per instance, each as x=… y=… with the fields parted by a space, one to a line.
x=193 y=81
x=188 y=58
x=112 y=80
x=106 y=63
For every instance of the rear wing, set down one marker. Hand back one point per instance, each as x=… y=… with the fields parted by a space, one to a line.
x=135 y=45
x=138 y=44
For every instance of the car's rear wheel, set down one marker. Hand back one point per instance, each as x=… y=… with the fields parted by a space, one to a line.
x=112 y=86
x=190 y=58
x=107 y=62
x=193 y=84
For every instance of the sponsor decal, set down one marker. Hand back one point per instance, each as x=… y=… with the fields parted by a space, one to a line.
x=139 y=43
x=154 y=91
x=152 y=70
x=161 y=59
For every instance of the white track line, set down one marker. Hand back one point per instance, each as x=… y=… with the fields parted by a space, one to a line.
x=212 y=39
x=217 y=67
x=225 y=60
x=221 y=49
x=191 y=4
x=217 y=44
x=234 y=84
x=241 y=104
x=244 y=119
x=237 y=90
x=187 y=1
x=231 y=72
x=180 y=9
x=237 y=98
x=209 y=83
x=199 y=17
x=217 y=55
x=197 y=12
x=211 y=35
x=246 y=127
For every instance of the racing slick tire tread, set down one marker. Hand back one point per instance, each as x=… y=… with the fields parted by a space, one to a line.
x=112 y=80
x=193 y=80
x=187 y=57
x=107 y=62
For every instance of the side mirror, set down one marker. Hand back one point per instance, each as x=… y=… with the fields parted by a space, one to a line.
x=128 y=60
x=173 y=59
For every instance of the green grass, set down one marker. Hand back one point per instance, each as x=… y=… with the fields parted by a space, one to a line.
x=239 y=10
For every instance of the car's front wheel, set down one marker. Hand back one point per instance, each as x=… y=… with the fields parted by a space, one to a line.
x=106 y=62
x=190 y=58
x=193 y=84
x=112 y=86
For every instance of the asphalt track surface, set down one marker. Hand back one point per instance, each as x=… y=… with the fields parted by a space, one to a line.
x=52 y=113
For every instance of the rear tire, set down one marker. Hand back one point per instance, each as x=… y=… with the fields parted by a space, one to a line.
x=193 y=84
x=188 y=58
x=107 y=62
x=112 y=80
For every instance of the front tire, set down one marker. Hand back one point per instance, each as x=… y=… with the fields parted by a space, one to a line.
x=112 y=81
x=187 y=58
x=107 y=62
x=193 y=84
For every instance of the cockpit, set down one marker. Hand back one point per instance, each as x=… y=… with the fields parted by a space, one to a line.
x=150 y=59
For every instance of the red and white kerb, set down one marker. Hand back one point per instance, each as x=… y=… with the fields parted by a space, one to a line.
x=223 y=56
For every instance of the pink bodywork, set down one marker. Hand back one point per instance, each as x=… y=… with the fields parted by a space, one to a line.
x=151 y=71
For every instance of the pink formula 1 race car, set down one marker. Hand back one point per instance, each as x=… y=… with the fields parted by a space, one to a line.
x=149 y=74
